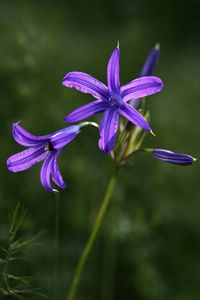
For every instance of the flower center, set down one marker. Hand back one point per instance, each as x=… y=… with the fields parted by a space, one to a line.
x=115 y=100
x=49 y=147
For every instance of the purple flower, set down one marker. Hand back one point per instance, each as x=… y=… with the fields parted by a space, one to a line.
x=173 y=158
x=148 y=68
x=112 y=100
x=45 y=148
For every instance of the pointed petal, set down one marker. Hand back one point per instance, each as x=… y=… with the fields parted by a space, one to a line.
x=56 y=175
x=45 y=172
x=25 y=138
x=108 y=130
x=132 y=115
x=172 y=157
x=26 y=159
x=64 y=136
x=113 y=72
x=141 y=87
x=86 y=84
x=86 y=111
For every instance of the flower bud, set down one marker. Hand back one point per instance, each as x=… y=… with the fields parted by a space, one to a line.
x=172 y=157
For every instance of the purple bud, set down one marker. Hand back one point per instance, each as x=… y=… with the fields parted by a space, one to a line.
x=148 y=68
x=173 y=158
x=151 y=61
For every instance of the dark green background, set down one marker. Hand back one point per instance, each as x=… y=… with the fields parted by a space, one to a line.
x=149 y=247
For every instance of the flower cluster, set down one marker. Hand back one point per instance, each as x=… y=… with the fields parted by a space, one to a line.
x=120 y=137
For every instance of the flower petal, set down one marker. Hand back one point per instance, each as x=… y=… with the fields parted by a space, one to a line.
x=108 y=130
x=64 y=136
x=141 y=87
x=86 y=84
x=45 y=172
x=56 y=175
x=113 y=72
x=86 y=111
x=172 y=157
x=26 y=159
x=131 y=114
x=25 y=138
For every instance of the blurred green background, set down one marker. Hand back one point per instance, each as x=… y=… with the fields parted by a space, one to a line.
x=149 y=246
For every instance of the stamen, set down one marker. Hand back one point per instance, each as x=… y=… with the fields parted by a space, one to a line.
x=49 y=147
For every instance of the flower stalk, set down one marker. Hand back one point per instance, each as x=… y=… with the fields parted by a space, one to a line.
x=56 y=242
x=93 y=235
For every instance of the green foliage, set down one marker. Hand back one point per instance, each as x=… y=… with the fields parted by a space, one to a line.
x=16 y=286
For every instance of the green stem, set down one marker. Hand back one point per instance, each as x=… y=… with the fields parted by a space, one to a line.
x=56 y=243
x=93 y=235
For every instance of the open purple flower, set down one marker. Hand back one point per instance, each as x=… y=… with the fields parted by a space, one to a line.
x=172 y=157
x=46 y=148
x=112 y=100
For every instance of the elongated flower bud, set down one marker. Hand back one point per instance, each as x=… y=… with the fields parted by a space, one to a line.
x=148 y=68
x=173 y=158
x=151 y=61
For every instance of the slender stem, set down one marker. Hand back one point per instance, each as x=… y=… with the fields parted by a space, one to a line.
x=93 y=235
x=56 y=243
